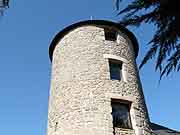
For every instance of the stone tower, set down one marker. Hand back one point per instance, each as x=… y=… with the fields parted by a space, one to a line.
x=95 y=85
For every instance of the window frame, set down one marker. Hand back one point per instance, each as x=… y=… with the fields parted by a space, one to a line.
x=128 y=105
x=110 y=34
x=118 y=62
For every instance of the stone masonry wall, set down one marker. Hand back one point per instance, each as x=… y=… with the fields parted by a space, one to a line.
x=81 y=89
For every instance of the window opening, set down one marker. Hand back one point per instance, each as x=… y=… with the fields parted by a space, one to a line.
x=115 y=69
x=110 y=34
x=121 y=115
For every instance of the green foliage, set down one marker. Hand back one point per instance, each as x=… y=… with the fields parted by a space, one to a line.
x=164 y=46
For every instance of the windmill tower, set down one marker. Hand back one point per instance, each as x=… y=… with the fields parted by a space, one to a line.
x=95 y=85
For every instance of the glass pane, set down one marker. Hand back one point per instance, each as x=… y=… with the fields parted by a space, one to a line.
x=115 y=70
x=121 y=116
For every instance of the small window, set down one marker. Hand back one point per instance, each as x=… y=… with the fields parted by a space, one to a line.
x=110 y=34
x=121 y=115
x=115 y=69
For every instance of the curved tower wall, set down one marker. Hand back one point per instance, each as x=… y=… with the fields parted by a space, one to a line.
x=81 y=89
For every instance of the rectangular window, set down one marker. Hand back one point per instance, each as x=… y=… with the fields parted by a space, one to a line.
x=115 y=69
x=110 y=34
x=121 y=115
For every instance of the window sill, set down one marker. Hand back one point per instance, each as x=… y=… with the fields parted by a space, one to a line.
x=119 y=131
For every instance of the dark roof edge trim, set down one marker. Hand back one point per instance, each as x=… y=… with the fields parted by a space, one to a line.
x=159 y=127
x=60 y=35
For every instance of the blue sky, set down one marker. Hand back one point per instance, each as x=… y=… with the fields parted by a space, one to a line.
x=26 y=31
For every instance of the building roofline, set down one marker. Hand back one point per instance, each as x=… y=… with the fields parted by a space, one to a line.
x=62 y=33
x=161 y=130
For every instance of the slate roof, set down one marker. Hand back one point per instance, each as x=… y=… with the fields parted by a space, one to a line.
x=160 y=130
